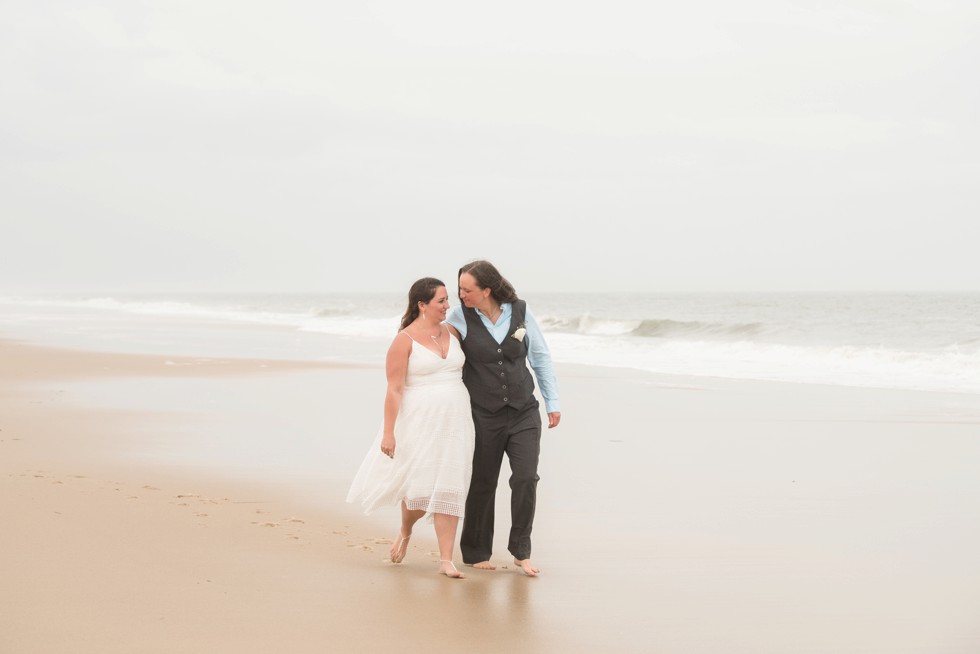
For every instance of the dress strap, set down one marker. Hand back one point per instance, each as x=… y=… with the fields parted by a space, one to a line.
x=442 y=330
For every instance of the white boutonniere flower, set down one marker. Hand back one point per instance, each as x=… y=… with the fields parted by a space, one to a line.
x=519 y=332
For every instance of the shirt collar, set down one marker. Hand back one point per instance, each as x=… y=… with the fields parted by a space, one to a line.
x=505 y=310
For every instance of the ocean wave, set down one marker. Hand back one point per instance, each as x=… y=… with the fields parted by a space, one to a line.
x=841 y=351
x=672 y=328
x=353 y=326
x=141 y=307
x=330 y=312
x=339 y=320
x=659 y=328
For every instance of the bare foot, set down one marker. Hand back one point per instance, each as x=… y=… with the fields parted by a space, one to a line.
x=447 y=568
x=527 y=567
x=399 y=548
x=483 y=565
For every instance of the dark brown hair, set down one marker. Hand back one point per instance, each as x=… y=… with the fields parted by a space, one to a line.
x=423 y=290
x=487 y=276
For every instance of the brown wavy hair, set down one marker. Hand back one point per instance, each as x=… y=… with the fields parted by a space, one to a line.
x=487 y=276
x=423 y=290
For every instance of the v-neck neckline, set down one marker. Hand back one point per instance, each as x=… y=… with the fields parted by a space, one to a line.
x=425 y=347
x=492 y=323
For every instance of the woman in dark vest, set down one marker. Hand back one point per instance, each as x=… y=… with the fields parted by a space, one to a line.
x=500 y=337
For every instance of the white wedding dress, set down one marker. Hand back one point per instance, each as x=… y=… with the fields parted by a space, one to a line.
x=434 y=439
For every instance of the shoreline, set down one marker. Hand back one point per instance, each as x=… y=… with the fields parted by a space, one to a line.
x=676 y=347
x=725 y=515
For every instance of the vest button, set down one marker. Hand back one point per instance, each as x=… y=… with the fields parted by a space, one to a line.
x=499 y=350
x=505 y=399
x=501 y=374
x=504 y=387
x=500 y=363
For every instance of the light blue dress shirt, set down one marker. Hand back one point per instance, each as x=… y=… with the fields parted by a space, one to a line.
x=538 y=354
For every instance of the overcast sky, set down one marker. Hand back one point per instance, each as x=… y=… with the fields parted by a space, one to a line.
x=637 y=146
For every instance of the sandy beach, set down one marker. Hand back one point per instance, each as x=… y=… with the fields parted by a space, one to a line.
x=743 y=234
x=145 y=511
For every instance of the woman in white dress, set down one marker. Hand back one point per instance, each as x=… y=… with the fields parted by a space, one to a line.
x=422 y=458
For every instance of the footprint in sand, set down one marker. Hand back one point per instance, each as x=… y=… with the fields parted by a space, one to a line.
x=151 y=488
x=302 y=522
x=270 y=524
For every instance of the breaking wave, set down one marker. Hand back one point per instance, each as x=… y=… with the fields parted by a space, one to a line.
x=659 y=328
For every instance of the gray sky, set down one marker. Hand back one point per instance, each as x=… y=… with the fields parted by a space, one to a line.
x=639 y=146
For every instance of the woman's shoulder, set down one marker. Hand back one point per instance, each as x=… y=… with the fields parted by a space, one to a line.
x=520 y=306
x=402 y=341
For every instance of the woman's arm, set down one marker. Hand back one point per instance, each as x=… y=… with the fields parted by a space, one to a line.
x=396 y=368
x=539 y=356
x=452 y=330
x=457 y=321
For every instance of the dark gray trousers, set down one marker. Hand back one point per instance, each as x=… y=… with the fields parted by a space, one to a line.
x=518 y=434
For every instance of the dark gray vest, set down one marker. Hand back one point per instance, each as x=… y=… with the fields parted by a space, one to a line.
x=496 y=374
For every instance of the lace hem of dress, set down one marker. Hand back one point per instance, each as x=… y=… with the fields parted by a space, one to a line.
x=450 y=506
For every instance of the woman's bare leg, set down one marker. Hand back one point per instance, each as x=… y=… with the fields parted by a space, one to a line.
x=446 y=535
x=400 y=547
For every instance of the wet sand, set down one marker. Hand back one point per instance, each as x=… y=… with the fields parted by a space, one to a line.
x=674 y=515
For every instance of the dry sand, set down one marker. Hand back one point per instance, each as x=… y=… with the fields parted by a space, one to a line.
x=675 y=515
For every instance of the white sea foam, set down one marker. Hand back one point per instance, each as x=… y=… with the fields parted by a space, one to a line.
x=337 y=320
x=951 y=369
x=665 y=328
x=354 y=326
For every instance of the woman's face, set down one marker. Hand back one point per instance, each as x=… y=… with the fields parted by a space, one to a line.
x=438 y=305
x=470 y=292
